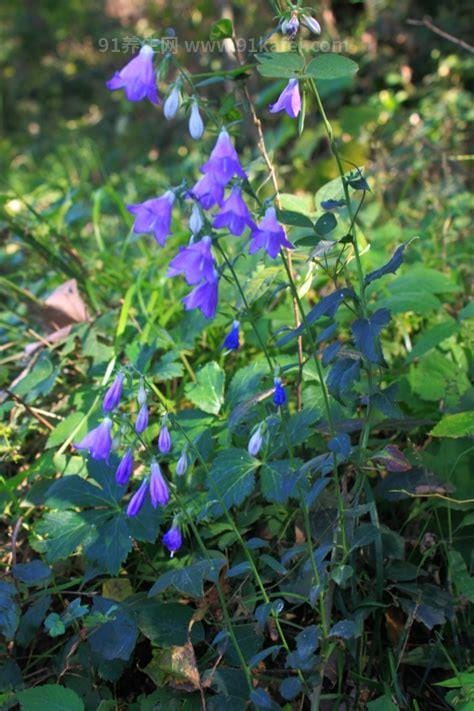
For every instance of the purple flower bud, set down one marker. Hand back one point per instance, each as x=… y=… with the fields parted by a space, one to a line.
x=164 y=440
x=290 y=27
x=289 y=100
x=154 y=216
x=137 y=78
x=234 y=214
x=138 y=499
x=113 y=394
x=255 y=442
x=172 y=103
x=224 y=161
x=269 y=235
x=204 y=297
x=311 y=24
x=196 y=125
x=173 y=539
x=125 y=468
x=232 y=341
x=182 y=464
x=98 y=442
x=159 y=492
x=142 y=419
x=196 y=223
x=279 y=395
x=141 y=395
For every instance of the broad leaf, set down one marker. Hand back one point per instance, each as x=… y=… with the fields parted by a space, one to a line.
x=279 y=65
x=231 y=479
x=366 y=335
x=328 y=65
x=52 y=697
x=189 y=580
x=460 y=424
x=207 y=393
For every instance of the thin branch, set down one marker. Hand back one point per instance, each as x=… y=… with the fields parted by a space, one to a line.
x=426 y=22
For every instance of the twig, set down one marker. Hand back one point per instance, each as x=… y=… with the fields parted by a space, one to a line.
x=16 y=531
x=33 y=413
x=426 y=22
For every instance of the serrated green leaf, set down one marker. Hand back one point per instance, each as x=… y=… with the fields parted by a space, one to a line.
x=277 y=481
x=460 y=424
x=207 y=393
x=190 y=579
x=50 y=696
x=328 y=65
x=232 y=478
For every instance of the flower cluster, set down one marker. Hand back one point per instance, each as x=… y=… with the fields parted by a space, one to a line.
x=99 y=443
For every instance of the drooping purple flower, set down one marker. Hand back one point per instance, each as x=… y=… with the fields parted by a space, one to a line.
x=290 y=27
x=182 y=464
x=208 y=192
x=269 y=235
x=137 y=78
x=279 y=394
x=311 y=24
x=224 y=161
x=234 y=214
x=255 y=442
x=196 y=223
x=164 y=440
x=173 y=539
x=138 y=499
x=98 y=442
x=195 y=262
x=232 y=340
x=172 y=103
x=142 y=419
x=196 y=124
x=154 y=216
x=113 y=394
x=159 y=492
x=204 y=297
x=289 y=100
x=125 y=468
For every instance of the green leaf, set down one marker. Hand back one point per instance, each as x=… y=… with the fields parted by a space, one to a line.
x=461 y=424
x=38 y=381
x=280 y=65
x=277 y=481
x=331 y=66
x=190 y=579
x=165 y=624
x=383 y=703
x=117 y=636
x=417 y=300
x=463 y=582
x=296 y=219
x=62 y=431
x=326 y=224
x=9 y=611
x=111 y=546
x=75 y=491
x=50 y=696
x=33 y=573
x=232 y=477
x=432 y=338
x=207 y=393
x=221 y=30
x=65 y=531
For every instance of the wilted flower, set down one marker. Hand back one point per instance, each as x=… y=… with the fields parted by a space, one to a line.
x=224 y=161
x=142 y=419
x=290 y=27
x=164 y=440
x=195 y=262
x=98 y=442
x=289 y=100
x=232 y=340
x=204 y=297
x=125 y=468
x=196 y=223
x=159 y=492
x=234 y=214
x=269 y=235
x=154 y=216
x=113 y=394
x=137 y=78
x=173 y=539
x=255 y=442
x=182 y=464
x=196 y=125
x=138 y=499
x=279 y=395
x=172 y=103
x=311 y=24
x=208 y=192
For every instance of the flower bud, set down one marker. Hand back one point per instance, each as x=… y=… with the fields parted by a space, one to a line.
x=141 y=395
x=196 y=223
x=172 y=103
x=113 y=394
x=182 y=464
x=255 y=442
x=279 y=394
x=173 y=539
x=159 y=492
x=138 y=499
x=142 y=419
x=290 y=27
x=125 y=468
x=164 y=440
x=311 y=24
x=196 y=125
